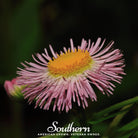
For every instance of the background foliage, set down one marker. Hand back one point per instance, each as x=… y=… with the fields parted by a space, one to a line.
x=28 y=26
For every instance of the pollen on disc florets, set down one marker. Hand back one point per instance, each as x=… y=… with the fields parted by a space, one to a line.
x=70 y=63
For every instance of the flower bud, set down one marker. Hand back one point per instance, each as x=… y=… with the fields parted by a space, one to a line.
x=12 y=89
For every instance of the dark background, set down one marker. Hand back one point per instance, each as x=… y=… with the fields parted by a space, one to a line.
x=29 y=26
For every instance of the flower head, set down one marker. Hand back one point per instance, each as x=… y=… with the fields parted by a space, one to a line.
x=67 y=76
x=12 y=89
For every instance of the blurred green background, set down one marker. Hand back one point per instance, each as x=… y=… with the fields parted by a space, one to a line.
x=29 y=26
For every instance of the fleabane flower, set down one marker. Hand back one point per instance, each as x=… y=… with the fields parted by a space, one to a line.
x=67 y=77
x=13 y=89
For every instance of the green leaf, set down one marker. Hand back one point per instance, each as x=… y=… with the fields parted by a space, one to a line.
x=108 y=117
x=126 y=135
x=132 y=125
x=111 y=130
x=106 y=111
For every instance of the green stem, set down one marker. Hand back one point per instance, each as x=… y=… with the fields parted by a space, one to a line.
x=17 y=119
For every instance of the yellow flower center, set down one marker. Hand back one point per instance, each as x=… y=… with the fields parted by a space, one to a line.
x=70 y=63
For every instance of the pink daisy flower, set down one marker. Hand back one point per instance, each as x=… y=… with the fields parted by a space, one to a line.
x=66 y=77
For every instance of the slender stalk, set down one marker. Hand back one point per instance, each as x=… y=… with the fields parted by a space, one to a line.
x=17 y=119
